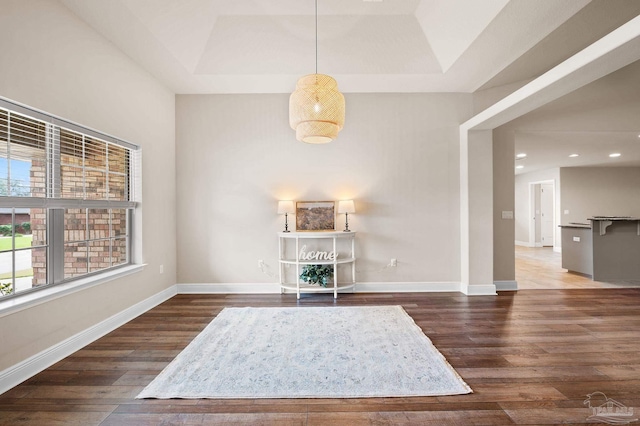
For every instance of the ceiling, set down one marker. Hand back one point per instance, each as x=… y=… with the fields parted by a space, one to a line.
x=264 y=46
x=553 y=149
x=373 y=46
x=594 y=121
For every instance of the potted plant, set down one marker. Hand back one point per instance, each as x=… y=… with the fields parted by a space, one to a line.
x=317 y=274
x=6 y=288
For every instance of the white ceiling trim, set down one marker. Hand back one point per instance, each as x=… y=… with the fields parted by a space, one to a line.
x=612 y=52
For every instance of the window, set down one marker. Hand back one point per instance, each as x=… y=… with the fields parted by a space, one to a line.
x=66 y=200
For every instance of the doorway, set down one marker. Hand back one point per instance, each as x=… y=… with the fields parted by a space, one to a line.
x=542 y=213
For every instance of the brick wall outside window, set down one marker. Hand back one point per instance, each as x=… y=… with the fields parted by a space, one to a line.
x=104 y=245
x=82 y=180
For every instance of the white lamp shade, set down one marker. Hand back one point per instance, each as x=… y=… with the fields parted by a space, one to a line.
x=285 y=207
x=346 y=206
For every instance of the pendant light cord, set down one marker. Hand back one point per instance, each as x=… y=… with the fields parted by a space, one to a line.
x=316 y=36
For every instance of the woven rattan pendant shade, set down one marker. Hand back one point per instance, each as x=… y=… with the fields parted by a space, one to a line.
x=316 y=109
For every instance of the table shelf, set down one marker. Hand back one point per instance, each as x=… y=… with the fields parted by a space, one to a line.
x=339 y=243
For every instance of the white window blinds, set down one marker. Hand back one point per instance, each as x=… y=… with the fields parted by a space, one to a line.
x=68 y=165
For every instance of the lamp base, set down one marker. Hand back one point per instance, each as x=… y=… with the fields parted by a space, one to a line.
x=286 y=223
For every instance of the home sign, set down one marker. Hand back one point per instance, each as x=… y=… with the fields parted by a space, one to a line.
x=316 y=255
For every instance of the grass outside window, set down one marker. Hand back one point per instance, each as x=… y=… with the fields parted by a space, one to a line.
x=22 y=241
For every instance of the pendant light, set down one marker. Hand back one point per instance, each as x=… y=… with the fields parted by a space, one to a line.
x=316 y=107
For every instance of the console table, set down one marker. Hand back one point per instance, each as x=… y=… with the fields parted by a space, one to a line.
x=342 y=244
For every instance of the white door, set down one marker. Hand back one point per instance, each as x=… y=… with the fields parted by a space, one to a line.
x=546 y=214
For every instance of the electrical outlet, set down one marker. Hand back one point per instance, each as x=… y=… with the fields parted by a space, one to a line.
x=394 y=262
x=162 y=269
x=260 y=263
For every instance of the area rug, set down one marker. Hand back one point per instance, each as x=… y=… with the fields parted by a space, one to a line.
x=308 y=352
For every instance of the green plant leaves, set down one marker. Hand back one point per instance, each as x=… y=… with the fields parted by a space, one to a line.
x=317 y=274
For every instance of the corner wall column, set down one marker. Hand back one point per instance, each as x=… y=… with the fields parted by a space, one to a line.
x=476 y=212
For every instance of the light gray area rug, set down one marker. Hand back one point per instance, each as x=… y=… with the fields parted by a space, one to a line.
x=308 y=352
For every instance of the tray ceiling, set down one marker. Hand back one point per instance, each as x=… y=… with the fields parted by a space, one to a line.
x=264 y=46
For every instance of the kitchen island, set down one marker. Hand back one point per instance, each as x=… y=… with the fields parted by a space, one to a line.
x=607 y=250
x=616 y=248
x=577 y=249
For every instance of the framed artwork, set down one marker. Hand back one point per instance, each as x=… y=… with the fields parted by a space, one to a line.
x=315 y=216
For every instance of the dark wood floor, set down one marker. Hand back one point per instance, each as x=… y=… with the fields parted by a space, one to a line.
x=531 y=358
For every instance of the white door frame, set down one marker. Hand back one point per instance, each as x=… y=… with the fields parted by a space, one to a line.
x=532 y=212
x=545 y=206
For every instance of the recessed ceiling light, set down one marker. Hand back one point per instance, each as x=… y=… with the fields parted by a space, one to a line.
x=574 y=155
x=615 y=154
x=521 y=155
x=520 y=167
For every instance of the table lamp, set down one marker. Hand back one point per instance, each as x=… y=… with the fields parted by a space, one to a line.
x=285 y=207
x=346 y=207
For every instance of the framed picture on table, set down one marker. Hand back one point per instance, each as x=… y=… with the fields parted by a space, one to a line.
x=315 y=216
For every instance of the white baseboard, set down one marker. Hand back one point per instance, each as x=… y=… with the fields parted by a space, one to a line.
x=535 y=245
x=510 y=285
x=478 y=289
x=22 y=371
x=273 y=288
x=528 y=244
x=523 y=243
x=228 y=288
x=407 y=287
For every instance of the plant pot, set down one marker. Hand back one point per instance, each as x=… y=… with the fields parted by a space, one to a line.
x=320 y=275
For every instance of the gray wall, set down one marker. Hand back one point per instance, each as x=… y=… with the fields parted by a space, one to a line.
x=503 y=200
x=54 y=62
x=605 y=191
x=397 y=157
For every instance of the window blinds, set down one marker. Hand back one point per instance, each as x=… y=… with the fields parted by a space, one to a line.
x=68 y=165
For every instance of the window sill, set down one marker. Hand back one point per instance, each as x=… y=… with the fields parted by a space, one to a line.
x=19 y=303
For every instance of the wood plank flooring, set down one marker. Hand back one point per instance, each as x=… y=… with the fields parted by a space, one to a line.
x=541 y=268
x=531 y=357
